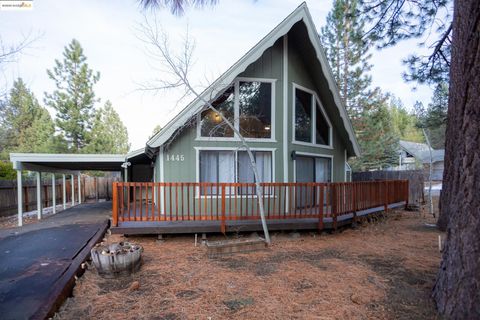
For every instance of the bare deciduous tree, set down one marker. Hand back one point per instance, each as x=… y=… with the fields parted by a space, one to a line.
x=177 y=67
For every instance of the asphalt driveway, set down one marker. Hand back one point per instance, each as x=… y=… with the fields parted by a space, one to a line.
x=38 y=260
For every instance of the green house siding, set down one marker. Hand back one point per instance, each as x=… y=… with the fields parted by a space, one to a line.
x=180 y=154
x=300 y=73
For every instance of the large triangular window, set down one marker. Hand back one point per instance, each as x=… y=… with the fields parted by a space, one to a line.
x=311 y=124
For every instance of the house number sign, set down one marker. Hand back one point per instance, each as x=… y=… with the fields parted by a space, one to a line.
x=175 y=157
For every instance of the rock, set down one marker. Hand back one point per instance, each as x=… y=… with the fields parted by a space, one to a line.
x=359 y=299
x=134 y=286
x=254 y=235
x=294 y=235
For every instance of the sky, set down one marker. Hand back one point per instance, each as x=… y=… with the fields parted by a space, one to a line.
x=108 y=33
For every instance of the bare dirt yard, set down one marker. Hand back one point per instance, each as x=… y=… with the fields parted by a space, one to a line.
x=384 y=269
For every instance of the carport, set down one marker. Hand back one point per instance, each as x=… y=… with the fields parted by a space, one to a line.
x=69 y=165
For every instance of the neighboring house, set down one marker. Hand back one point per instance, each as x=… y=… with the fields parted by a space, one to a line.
x=414 y=155
x=282 y=96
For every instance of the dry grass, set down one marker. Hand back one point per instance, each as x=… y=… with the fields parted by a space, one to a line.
x=381 y=270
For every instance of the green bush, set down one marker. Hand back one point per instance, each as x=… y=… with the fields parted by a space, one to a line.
x=6 y=171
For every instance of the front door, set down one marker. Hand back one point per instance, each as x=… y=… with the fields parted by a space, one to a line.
x=310 y=169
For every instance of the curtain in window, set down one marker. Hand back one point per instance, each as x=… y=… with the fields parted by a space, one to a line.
x=323 y=170
x=245 y=172
x=216 y=166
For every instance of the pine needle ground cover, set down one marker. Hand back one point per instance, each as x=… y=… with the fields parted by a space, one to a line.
x=383 y=269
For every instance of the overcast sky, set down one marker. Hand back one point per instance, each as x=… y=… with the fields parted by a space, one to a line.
x=107 y=32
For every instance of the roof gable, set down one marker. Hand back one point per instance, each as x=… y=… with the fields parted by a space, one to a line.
x=299 y=14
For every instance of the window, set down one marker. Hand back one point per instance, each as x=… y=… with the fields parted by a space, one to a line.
x=212 y=124
x=303 y=116
x=251 y=102
x=233 y=166
x=245 y=173
x=255 y=103
x=322 y=130
x=216 y=166
x=311 y=124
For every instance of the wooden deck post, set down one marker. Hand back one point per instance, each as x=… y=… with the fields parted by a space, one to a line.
x=223 y=227
x=320 y=208
x=334 y=205
x=115 y=205
x=354 y=206
x=406 y=191
x=25 y=192
x=385 y=196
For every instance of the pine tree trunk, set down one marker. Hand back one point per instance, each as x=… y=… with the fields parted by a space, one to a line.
x=457 y=290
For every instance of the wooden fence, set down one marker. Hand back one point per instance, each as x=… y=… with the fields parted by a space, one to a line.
x=92 y=188
x=154 y=202
x=415 y=182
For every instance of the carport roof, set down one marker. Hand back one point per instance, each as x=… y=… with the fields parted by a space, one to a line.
x=67 y=163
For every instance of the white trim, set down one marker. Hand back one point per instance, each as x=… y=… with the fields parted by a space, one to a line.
x=19 y=198
x=63 y=157
x=162 y=179
x=314 y=103
x=79 y=182
x=301 y=13
x=235 y=150
x=135 y=153
x=39 y=196
x=313 y=155
x=54 y=194
x=285 y=111
x=64 y=191
x=236 y=113
x=345 y=166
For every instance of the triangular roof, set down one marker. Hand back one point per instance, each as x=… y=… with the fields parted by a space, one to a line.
x=421 y=151
x=301 y=13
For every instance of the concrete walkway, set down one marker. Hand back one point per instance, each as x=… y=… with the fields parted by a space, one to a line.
x=38 y=261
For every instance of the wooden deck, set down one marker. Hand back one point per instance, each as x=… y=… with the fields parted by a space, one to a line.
x=212 y=226
x=162 y=208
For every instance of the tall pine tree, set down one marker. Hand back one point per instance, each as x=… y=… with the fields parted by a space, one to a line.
x=108 y=134
x=434 y=119
x=26 y=126
x=347 y=52
x=74 y=98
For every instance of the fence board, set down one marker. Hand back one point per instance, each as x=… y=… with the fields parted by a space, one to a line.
x=414 y=177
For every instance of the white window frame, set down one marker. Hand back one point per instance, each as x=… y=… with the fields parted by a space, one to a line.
x=313 y=155
x=236 y=109
x=314 y=103
x=235 y=150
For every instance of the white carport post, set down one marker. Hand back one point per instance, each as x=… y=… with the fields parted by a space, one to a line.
x=20 y=198
x=79 y=189
x=54 y=195
x=64 y=192
x=39 y=195
x=73 y=190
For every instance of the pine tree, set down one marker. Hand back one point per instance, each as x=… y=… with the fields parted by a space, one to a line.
x=74 y=98
x=108 y=134
x=435 y=119
x=26 y=126
x=347 y=52
x=376 y=135
x=404 y=123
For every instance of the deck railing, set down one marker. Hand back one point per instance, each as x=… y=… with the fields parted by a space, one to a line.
x=179 y=201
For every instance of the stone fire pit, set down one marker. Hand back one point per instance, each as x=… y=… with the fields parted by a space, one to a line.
x=117 y=259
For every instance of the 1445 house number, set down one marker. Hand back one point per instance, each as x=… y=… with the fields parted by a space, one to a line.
x=175 y=157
